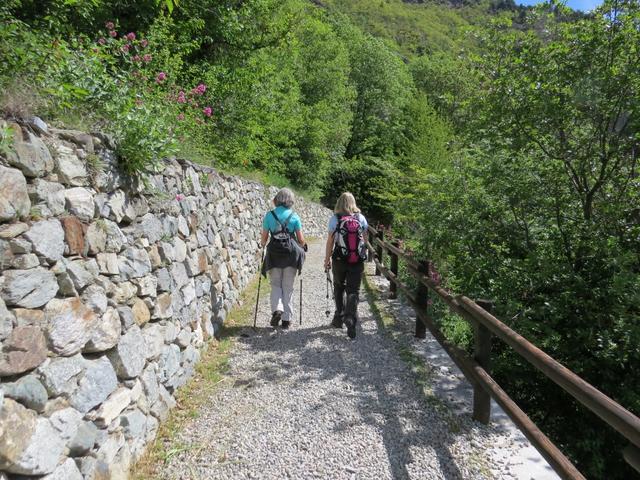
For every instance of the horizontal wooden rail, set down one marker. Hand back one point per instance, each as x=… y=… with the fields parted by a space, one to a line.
x=616 y=416
x=621 y=419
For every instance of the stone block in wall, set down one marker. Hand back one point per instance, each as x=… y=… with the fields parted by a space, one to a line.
x=60 y=375
x=28 y=317
x=79 y=202
x=43 y=452
x=31 y=156
x=66 y=422
x=84 y=439
x=160 y=408
x=188 y=293
x=154 y=257
x=95 y=385
x=7 y=319
x=24 y=350
x=48 y=193
x=108 y=263
x=106 y=333
x=82 y=272
x=163 y=307
x=12 y=230
x=80 y=139
x=28 y=288
x=168 y=363
x=109 y=179
x=47 y=238
x=128 y=356
x=127 y=318
x=69 y=325
x=134 y=263
x=70 y=169
x=28 y=391
x=150 y=227
x=95 y=298
x=165 y=282
x=66 y=471
x=154 y=335
x=73 y=235
x=180 y=250
x=147 y=286
x=141 y=314
x=105 y=236
x=112 y=407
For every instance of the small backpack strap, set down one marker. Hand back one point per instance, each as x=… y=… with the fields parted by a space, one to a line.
x=273 y=212
x=286 y=222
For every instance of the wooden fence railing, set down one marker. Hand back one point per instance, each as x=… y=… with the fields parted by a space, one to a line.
x=476 y=368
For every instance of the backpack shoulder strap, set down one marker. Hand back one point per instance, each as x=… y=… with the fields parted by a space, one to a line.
x=286 y=222
x=282 y=227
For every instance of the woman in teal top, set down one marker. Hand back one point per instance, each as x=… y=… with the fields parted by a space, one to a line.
x=284 y=256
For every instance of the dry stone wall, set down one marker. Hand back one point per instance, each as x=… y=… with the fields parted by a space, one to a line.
x=109 y=288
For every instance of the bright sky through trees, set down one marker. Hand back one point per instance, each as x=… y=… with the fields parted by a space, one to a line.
x=584 y=5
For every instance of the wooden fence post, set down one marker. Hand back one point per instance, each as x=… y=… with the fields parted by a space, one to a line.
x=393 y=287
x=379 y=249
x=422 y=300
x=482 y=355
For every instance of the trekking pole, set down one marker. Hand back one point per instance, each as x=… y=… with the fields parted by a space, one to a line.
x=255 y=316
x=327 y=311
x=300 y=299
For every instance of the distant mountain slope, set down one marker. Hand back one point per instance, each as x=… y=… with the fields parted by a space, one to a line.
x=419 y=27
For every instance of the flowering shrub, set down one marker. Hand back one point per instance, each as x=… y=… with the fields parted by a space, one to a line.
x=126 y=81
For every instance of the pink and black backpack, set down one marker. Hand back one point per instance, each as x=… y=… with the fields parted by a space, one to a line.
x=349 y=241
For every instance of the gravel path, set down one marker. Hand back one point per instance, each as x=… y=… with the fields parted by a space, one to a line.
x=311 y=403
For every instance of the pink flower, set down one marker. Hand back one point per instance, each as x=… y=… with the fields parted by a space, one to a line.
x=200 y=89
x=131 y=36
x=125 y=48
x=181 y=116
x=181 y=97
x=102 y=41
x=146 y=57
x=207 y=111
x=144 y=43
x=136 y=58
x=179 y=197
x=161 y=77
x=113 y=33
x=109 y=25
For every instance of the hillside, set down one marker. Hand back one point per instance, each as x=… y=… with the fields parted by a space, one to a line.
x=423 y=27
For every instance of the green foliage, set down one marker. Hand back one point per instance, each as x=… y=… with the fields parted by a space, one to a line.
x=538 y=211
x=6 y=140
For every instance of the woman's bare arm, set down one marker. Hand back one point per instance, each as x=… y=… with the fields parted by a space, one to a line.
x=328 y=250
x=300 y=238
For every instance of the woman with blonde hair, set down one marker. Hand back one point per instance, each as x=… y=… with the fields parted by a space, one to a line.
x=285 y=254
x=345 y=253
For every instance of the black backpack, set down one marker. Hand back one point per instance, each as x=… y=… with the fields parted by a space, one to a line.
x=282 y=240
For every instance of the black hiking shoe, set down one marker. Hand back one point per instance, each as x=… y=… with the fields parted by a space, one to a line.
x=285 y=324
x=350 y=322
x=336 y=322
x=275 y=318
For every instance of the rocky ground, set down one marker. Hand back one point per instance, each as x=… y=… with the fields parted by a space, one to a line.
x=311 y=403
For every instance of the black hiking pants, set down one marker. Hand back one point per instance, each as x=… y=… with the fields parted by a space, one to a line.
x=346 y=286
